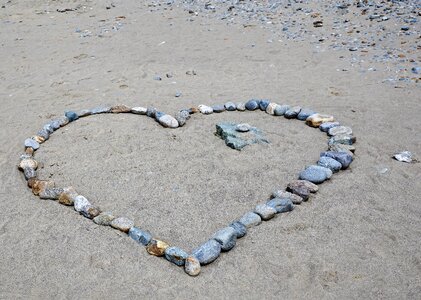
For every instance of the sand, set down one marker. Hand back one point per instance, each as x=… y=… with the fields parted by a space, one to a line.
x=357 y=238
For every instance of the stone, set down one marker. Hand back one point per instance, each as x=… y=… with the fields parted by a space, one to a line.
x=55 y=124
x=67 y=196
x=182 y=116
x=344 y=158
x=312 y=188
x=168 y=121
x=84 y=113
x=156 y=247
x=90 y=212
x=240 y=229
x=121 y=108
x=315 y=174
x=299 y=189
x=48 y=128
x=177 y=94
x=238 y=140
x=281 y=205
x=138 y=110
x=342 y=139
x=241 y=106
x=176 y=255
x=265 y=211
x=28 y=163
x=263 y=104
x=218 y=108
x=122 y=223
x=207 y=252
x=270 y=109
x=252 y=104
x=329 y=163
x=81 y=203
x=193 y=110
x=101 y=110
x=45 y=134
x=295 y=199
x=292 y=112
x=150 y=112
x=71 y=115
x=29 y=151
x=104 y=219
x=141 y=236
x=192 y=266
x=305 y=113
x=339 y=130
x=230 y=106
x=227 y=237
x=280 y=110
x=243 y=127
x=204 y=109
x=350 y=149
x=50 y=193
x=29 y=173
x=39 y=185
x=328 y=125
x=63 y=121
x=158 y=114
x=38 y=139
x=317 y=119
x=250 y=219
x=31 y=143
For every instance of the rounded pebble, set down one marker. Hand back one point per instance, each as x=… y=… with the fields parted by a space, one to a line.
x=252 y=105
x=122 y=223
x=250 y=219
x=280 y=110
x=192 y=266
x=31 y=143
x=292 y=112
x=67 y=196
x=168 y=121
x=328 y=125
x=81 y=203
x=241 y=106
x=244 y=127
x=265 y=211
x=270 y=109
x=138 y=110
x=280 y=205
x=330 y=163
x=339 y=130
x=204 y=109
x=207 y=252
x=140 y=236
x=263 y=104
x=317 y=119
x=315 y=174
x=104 y=219
x=218 y=108
x=239 y=228
x=227 y=237
x=156 y=247
x=71 y=115
x=176 y=255
x=230 y=106
x=305 y=113
x=295 y=199
x=344 y=158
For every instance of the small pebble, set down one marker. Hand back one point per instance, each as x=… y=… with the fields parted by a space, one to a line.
x=270 y=109
x=349 y=149
x=121 y=108
x=50 y=193
x=157 y=77
x=244 y=127
x=71 y=115
x=150 y=112
x=100 y=110
x=315 y=174
x=218 y=108
x=158 y=114
x=138 y=110
x=344 y=158
x=192 y=266
x=182 y=116
x=227 y=237
x=239 y=228
x=292 y=112
x=122 y=223
x=29 y=173
x=38 y=139
x=317 y=119
x=263 y=104
x=342 y=139
x=28 y=163
x=312 y=188
x=168 y=121
x=177 y=94
x=31 y=143
x=39 y=185
x=241 y=106
x=266 y=212
x=140 y=236
x=329 y=163
x=328 y=125
x=252 y=105
x=90 y=211
x=156 y=247
x=176 y=255
x=340 y=130
x=281 y=205
x=280 y=110
x=67 y=196
x=63 y=121
x=299 y=189
x=305 y=113
x=287 y=195
x=404 y=156
x=44 y=134
x=48 y=128
x=204 y=109
x=230 y=106
x=81 y=203
x=55 y=124
x=250 y=219
x=104 y=219
x=207 y=252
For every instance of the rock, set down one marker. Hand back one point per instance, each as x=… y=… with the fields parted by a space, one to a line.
x=48 y=128
x=328 y=125
x=329 y=163
x=312 y=188
x=168 y=121
x=207 y=252
x=193 y=110
x=292 y=112
x=280 y=205
x=122 y=223
x=315 y=174
x=38 y=139
x=305 y=113
x=55 y=124
x=240 y=229
x=29 y=173
x=218 y=108
x=344 y=158
x=299 y=188
x=71 y=115
x=50 y=193
x=44 y=134
x=317 y=119
x=158 y=114
x=342 y=148
x=150 y=112
x=84 y=113
x=176 y=255
x=295 y=199
x=156 y=247
x=250 y=219
x=280 y=110
x=29 y=151
x=67 y=196
x=90 y=212
x=138 y=110
x=31 y=143
x=104 y=219
x=404 y=156
x=81 y=203
x=204 y=109
x=28 y=163
x=182 y=116
x=243 y=127
x=236 y=140
x=157 y=77
x=101 y=110
x=263 y=104
x=252 y=104
x=39 y=185
x=241 y=106
x=63 y=121
x=265 y=211
x=140 y=236
x=227 y=237
x=192 y=266
x=230 y=106
x=342 y=139
x=340 y=130
x=270 y=109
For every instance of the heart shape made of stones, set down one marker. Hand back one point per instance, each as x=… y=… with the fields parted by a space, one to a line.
x=338 y=157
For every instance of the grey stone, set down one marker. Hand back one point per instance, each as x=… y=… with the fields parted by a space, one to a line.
x=29 y=173
x=280 y=110
x=265 y=211
x=315 y=174
x=192 y=266
x=270 y=109
x=31 y=143
x=104 y=219
x=239 y=228
x=241 y=106
x=81 y=203
x=138 y=110
x=207 y=252
x=344 y=158
x=122 y=223
x=101 y=110
x=182 y=117
x=263 y=104
x=44 y=134
x=349 y=149
x=176 y=255
x=250 y=219
x=292 y=112
x=238 y=140
x=252 y=104
x=218 y=108
x=328 y=125
x=281 y=205
x=139 y=235
x=342 y=139
x=230 y=106
x=243 y=127
x=151 y=111
x=287 y=195
x=305 y=113
x=71 y=115
x=340 y=130
x=168 y=121
x=227 y=237
x=330 y=163
x=50 y=193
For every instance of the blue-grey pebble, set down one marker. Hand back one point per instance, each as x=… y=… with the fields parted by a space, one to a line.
x=305 y=113
x=330 y=163
x=292 y=112
x=280 y=110
x=239 y=228
x=227 y=237
x=315 y=174
x=71 y=115
x=281 y=204
x=218 y=108
x=263 y=104
x=177 y=94
x=100 y=110
x=159 y=114
x=207 y=252
x=44 y=134
x=230 y=106
x=241 y=106
x=176 y=255
x=344 y=158
x=140 y=236
x=55 y=124
x=48 y=128
x=250 y=219
x=326 y=126
x=31 y=143
x=150 y=112
x=252 y=104
x=342 y=139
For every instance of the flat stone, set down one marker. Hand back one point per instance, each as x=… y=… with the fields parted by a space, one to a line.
x=182 y=116
x=340 y=130
x=250 y=219
x=241 y=106
x=121 y=108
x=176 y=255
x=192 y=266
x=31 y=143
x=243 y=127
x=328 y=125
x=39 y=185
x=122 y=223
x=141 y=236
x=263 y=104
x=239 y=228
x=81 y=203
x=50 y=193
x=67 y=196
x=350 y=149
x=138 y=110
x=292 y=112
x=305 y=113
x=84 y=113
x=204 y=109
x=101 y=110
x=315 y=174
x=218 y=108
x=342 y=139
x=104 y=219
x=238 y=140
x=156 y=247
x=344 y=158
x=265 y=211
x=230 y=106
x=312 y=188
x=71 y=115
x=207 y=252
x=280 y=110
x=317 y=119
x=329 y=163
x=270 y=109
x=28 y=163
x=281 y=205
x=301 y=190
x=287 y=195
x=227 y=237
x=168 y=121
x=252 y=104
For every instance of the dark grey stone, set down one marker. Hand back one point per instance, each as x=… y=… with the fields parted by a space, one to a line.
x=239 y=228
x=344 y=158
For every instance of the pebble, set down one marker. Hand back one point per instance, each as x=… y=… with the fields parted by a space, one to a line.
x=48 y=128
x=29 y=173
x=39 y=185
x=292 y=112
x=67 y=196
x=140 y=236
x=315 y=174
x=150 y=112
x=305 y=113
x=239 y=228
x=168 y=121
x=176 y=255
x=122 y=223
x=158 y=114
x=252 y=105
x=71 y=115
x=182 y=116
x=241 y=106
x=138 y=110
x=227 y=237
x=192 y=266
x=31 y=143
x=84 y=113
x=207 y=252
x=230 y=106
x=55 y=124
x=100 y=110
x=177 y=94
x=349 y=149
x=339 y=130
x=28 y=163
x=50 y=193
x=81 y=203
x=44 y=134
x=157 y=77
x=266 y=212
x=204 y=109
x=300 y=190
x=344 y=158
x=63 y=121
x=218 y=108
x=243 y=127
x=342 y=139
x=104 y=219
x=281 y=205
x=287 y=195
x=156 y=247
x=263 y=104
x=250 y=219
x=330 y=163
x=317 y=119
x=312 y=188
x=90 y=212
x=280 y=110
x=270 y=109
x=328 y=125
x=404 y=156
x=38 y=139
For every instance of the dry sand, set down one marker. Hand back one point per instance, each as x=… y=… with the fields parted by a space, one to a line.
x=358 y=238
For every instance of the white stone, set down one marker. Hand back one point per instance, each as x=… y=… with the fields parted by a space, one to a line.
x=271 y=108
x=168 y=121
x=139 y=110
x=340 y=130
x=204 y=109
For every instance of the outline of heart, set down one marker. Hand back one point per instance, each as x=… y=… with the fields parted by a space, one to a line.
x=224 y=239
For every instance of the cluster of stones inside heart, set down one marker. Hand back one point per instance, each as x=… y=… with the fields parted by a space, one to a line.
x=338 y=157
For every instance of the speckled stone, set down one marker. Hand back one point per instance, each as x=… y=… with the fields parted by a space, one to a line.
x=182 y=116
x=293 y=112
x=342 y=139
x=138 y=110
x=315 y=174
x=350 y=149
x=281 y=205
x=239 y=228
x=104 y=219
x=28 y=163
x=122 y=223
x=90 y=211
x=44 y=134
x=204 y=109
x=101 y=110
x=67 y=196
x=50 y=193
x=151 y=111
x=141 y=236
x=313 y=188
x=207 y=252
x=156 y=247
x=71 y=115
x=243 y=127
x=227 y=237
x=328 y=125
x=329 y=163
x=230 y=106
x=81 y=203
x=270 y=109
x=121 y=108
x=265 y=211
x=192 y=266
x=252 y=104
x=339 y=130
x=241 y=106
x=287 y=195
x=317 y=119
x=39 y=185
x=305 y=113
x=344 y=158
x=176 y=255
x=29 y=173
x=31 y=143
x=280 y=110
x=218 y=108
x=263 y=104
x=250 y=219
x=168 y=121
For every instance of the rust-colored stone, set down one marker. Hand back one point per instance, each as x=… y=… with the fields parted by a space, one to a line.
x=39 y=185
x=120 y=109
x=157 y=247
